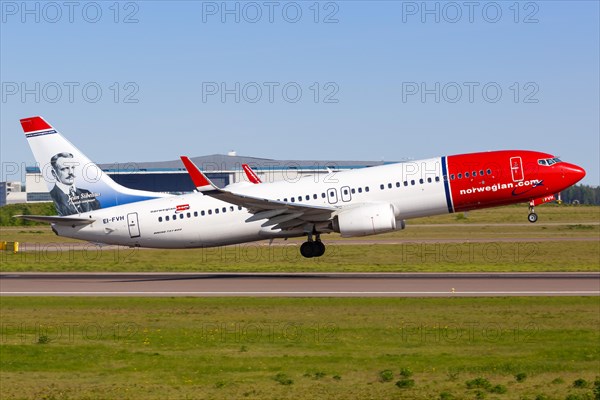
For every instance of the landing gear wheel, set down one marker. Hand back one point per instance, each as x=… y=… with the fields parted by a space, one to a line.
x=306 y=249
x=312 y=249
x=319 y=248
x=532 y=217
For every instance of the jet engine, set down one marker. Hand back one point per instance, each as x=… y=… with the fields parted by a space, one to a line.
x=366 y=219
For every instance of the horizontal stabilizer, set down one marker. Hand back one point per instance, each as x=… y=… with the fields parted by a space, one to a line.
x=69 y=221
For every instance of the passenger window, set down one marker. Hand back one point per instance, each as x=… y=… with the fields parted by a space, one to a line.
x=466 y=174
x=489 y=171
x=195 y=213
x=421 y=181
x=397 y=184
x=366 y=189
x=293 y=199
x=167 y=218
x=209 y=212
x=224 y=209
x=451 y=177
x=381 y=186
x=285 y=200
x=239 y=207
x=159 y=219
x=353 y=190
x=307 y=197
x=174 y=217
x=216 y=210
x=231 y=209
x=189 y=215
x=412 y=182
x=459 y=176
x=481 y=173
x=359 y=190
x=345 y=191
x=315 y=196
x=428 y=180
x=405 y=183
x=202 y=213
x=474 y=173
x=437 y=178
x=299 y=198
x=323 y=195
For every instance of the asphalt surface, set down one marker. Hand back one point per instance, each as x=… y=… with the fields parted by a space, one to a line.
x=300 y=284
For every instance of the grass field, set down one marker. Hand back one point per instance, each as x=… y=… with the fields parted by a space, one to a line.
x=178 y=348
x=260 y=348
x=566 y=238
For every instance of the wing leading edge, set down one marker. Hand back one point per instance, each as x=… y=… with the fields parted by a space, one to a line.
x=278 y=214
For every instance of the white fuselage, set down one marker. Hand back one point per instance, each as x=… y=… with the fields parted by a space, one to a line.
x=197 y=220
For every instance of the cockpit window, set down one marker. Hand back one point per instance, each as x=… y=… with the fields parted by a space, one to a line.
x=549 y=161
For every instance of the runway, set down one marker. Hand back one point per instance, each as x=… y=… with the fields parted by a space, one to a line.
x=300 y=284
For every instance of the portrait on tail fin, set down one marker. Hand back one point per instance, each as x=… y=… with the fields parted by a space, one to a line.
x=68 y=198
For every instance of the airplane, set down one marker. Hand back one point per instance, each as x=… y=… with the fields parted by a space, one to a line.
x=358 y=202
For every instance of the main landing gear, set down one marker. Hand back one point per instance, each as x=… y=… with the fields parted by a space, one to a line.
x=532 y=217
x=312 y=248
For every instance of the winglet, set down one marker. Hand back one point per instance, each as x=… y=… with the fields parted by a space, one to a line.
x=202 y=183
x=250 y=174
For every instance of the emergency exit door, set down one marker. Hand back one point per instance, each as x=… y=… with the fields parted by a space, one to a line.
x=132 y=224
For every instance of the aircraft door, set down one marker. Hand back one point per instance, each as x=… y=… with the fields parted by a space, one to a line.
x=516 y=169
x=332 y=195
x=133 y=225
x=345 y=193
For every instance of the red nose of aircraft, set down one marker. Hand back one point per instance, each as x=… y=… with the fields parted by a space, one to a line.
x=572 y=173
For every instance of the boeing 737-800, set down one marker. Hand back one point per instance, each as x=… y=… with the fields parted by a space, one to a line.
x=358 y=202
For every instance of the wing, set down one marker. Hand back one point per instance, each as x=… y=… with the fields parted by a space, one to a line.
x=69 y=221
x=277 y=214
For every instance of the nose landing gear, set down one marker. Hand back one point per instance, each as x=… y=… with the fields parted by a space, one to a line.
x=532 y=217
x=312 y=248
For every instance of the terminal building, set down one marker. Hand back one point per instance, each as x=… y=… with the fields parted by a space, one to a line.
x=172 y=177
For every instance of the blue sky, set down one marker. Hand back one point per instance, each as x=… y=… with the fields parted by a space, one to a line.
x=348 y=80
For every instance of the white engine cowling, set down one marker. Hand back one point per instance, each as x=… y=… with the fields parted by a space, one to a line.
x=366 y=219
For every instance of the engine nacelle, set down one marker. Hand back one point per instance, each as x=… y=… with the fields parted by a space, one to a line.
x=366 y=219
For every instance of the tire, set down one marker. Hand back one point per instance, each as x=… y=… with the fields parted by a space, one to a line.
x=319 y=249
x=307 y=250
x=532 y=217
